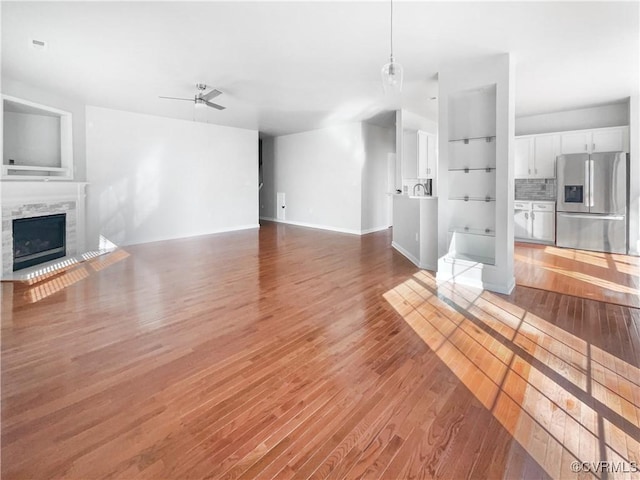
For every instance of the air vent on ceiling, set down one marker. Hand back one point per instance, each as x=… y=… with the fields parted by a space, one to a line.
x=38 y=44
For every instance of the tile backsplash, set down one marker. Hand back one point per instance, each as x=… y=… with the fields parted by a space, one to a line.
x=536 y=189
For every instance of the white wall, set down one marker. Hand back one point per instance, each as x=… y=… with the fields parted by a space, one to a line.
x=634 y=175
x=379 y=142
x=154 y=178
x=399 y=151
x=77 y=108
x=413 y=121
x=320 y=172
x=613 y=115
x=31 y=139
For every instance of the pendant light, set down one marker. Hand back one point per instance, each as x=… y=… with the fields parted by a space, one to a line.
x=392 y=71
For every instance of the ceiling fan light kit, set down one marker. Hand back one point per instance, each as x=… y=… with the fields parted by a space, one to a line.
x=392 y=72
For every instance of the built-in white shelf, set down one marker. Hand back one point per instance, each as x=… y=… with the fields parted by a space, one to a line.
x=486 y=232
x=472 y=176
x=474 y=139
x=13 y=172
x=38 y=141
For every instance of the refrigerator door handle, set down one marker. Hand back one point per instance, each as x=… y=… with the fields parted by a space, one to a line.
x=587 y=184
x=591 y=183
x=591 y=216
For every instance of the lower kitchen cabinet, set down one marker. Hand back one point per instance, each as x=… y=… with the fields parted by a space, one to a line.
x=543 y=226
x=535 y=222
x=521 y=223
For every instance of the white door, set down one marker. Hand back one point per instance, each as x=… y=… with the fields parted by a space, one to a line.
x=521 y=224
x=280 y=206
x=608 y=141
x=575 y=142
x=543 y=226
x=546 y=148
x=523 y=158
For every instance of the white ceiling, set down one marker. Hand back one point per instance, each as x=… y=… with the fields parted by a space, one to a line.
x=291 y=66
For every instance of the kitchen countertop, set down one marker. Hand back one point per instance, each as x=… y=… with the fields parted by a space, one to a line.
x=414 y=197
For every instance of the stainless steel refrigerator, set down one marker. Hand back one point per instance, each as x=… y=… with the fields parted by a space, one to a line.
x=592 y=202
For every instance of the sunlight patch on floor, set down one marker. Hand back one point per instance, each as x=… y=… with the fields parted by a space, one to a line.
x=561 y=398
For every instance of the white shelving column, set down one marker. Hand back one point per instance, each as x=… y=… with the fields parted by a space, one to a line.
x=475 y=170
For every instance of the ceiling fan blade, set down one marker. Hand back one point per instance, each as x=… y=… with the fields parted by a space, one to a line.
x=176 y=98
x=215 y=105
x=212 y=94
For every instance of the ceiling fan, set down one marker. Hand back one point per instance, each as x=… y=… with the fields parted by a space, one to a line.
x=201 y=98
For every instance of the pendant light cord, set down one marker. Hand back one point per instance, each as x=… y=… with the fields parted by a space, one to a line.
x=391 y=28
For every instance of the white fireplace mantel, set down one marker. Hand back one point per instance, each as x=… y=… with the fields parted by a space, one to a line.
x=23 y=195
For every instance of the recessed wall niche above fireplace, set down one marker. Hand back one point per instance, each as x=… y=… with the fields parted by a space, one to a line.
x=38 y=239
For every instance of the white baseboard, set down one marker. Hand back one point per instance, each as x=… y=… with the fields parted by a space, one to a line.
x=372 y=230
x=405 y=253
x=471 y=276
x=198 y=234
x=429 y=266
x=321 y=227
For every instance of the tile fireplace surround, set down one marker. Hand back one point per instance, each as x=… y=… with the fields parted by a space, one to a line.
x=24 y=199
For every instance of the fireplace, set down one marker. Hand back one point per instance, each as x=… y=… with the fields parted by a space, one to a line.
x=38 y=239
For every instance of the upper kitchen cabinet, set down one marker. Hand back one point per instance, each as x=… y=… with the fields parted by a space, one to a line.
x=535 y=156
x=37 y=141
x=409 y=155
x=419 y=158
x=614 y=139
x=523 y=157
x=427 y=156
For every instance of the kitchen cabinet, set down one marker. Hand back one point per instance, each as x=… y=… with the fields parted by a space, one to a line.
x=523 y=158
x=609 y=140
x=575 y=142
x=534 y=222
x=543 y=225
x=427 y=157
x=419 y=155
x=521 y=220
x=545 y=150
x=409 y=160
x=535 y=156
x=614 y=139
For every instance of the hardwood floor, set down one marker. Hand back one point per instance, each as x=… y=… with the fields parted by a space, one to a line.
x=297 y=353
x=606 y=277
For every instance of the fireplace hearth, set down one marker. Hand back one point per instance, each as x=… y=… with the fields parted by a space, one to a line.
x=38 y=239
